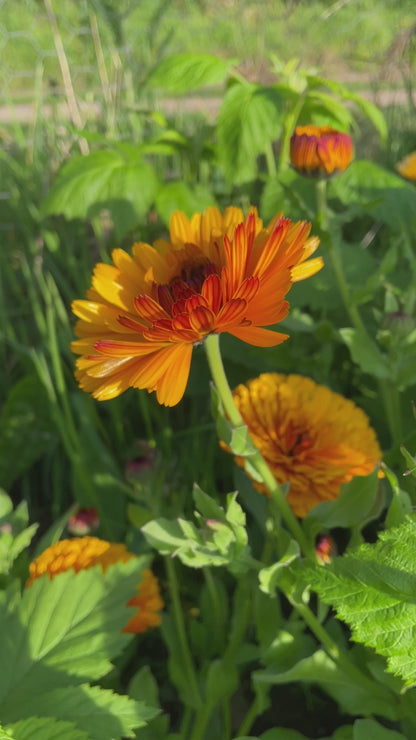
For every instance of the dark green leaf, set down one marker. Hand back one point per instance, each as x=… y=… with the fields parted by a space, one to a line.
x=26 y=429
x=46 y=728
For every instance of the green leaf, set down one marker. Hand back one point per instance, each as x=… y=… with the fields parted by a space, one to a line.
x=26 y=429
x=324 y=110
x=270 y=577
x=46 y=728
x=221 y=539
x=365 y=353
x=369 y=729
x=401 y=505
x=351 y=696
x=179 y=196
x=116 y=180
x=63 y=631
x=222 y=681
x=373 y=590
x=355 y=503
x=100 y=713
x=181 y=73
x=250 y=118
x=383 y=194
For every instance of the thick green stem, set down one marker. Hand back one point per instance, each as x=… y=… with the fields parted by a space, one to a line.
x=248 y=720
x=218 y=374
x=180 y=629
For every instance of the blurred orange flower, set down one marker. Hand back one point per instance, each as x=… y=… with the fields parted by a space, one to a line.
x=407 y=166
x=320 y=150
x=81 y=553
x=218 y=273
x=311 y=437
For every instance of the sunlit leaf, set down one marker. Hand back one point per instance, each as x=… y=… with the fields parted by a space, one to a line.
x=180 y=73
x=373 y=590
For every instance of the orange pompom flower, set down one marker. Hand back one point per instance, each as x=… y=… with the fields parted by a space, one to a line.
x=311 y=437
x=81 y=553
x=218 y=273
x=407 y=166
x=320 y=151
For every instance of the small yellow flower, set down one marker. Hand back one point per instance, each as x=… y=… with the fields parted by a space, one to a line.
x=218 y=273
x=320 y=150
x=407 y=166
x=310 y=437
x=81 y=553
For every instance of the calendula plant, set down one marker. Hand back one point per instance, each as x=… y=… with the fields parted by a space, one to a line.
x=283 y=609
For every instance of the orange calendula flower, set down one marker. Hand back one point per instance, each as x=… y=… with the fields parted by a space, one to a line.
x=320 y=150
x=81 y=553
x=218 y=273
x=407 y=166
x=310 y=437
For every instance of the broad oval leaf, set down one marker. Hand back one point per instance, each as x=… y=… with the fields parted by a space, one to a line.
x=181 y=73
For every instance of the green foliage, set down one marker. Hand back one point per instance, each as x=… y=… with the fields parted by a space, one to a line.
x=117 y=180
x=182 y=73
x=15 y=535
x=62 y=633
x=220 y=539
x=26 y=429
x=372 y=589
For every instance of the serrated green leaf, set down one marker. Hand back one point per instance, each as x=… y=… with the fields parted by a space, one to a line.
x=101 y=713
x=373 y=590
x=181 y=73
x=113 y=179
x=365 y=353
x=250 y=118
x=179 y=196
x=26 y=429
x=64 y=631
x=46 y=728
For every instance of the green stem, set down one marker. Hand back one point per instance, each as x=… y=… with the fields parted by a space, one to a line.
x=334 y=652
x=180 y=629
x=270 y=160
x=249 y=719
x=218 y=374
x=288 y=129
x=202 y=718
x=217 y=611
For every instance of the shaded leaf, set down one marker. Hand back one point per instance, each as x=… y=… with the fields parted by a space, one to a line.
x=365 y=353
x=26 y=429
x=63 y=631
